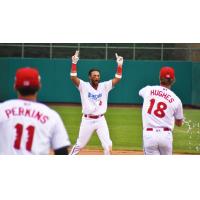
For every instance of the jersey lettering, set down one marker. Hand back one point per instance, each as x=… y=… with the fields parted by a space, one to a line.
x=162 y=94
x=19 y=132
x=15 y=111
x=94 y=96
x=159 y=112
x=94 y=101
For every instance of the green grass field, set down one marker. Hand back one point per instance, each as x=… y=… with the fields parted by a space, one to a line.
x=125 y=125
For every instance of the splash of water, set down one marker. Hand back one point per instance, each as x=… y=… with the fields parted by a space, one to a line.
x=192 y=129
x=187 y=123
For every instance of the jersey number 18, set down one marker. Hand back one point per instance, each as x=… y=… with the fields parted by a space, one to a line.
x=159 y=112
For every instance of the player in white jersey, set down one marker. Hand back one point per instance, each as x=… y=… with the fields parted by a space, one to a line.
x=161 y=109
x=28 y=127
x=94 y=97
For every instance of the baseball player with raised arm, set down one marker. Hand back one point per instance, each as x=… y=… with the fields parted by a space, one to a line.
x=28 y=127
x=94 y=97
x=161 y=109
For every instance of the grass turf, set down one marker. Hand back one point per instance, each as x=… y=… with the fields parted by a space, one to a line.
x=125 y=125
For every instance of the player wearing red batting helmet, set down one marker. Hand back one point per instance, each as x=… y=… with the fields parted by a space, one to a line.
x=27 y=82
x=161 y=110
x=29 y=127
x=167 y=76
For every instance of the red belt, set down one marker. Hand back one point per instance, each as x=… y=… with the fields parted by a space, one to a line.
x=164 y=129
x=93 y=116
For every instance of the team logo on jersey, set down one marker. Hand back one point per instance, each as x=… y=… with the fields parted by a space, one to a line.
x=94 y=96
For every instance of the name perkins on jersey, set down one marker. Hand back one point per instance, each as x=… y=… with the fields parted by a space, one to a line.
x=162 y=94
x=20 y=111
x=94 y=96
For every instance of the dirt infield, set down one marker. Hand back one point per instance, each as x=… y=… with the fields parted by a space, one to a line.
x=117 y=152
x=100 y=152
x=114 y=152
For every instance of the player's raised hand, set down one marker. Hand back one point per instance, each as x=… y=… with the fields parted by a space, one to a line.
x=119 y=59
x=75 y=57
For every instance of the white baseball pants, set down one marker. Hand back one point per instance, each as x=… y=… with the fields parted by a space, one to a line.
x=88 y=126
x=157 y=142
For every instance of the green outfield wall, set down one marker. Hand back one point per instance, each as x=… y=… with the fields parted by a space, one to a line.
x=196 y=84
x=57 y=86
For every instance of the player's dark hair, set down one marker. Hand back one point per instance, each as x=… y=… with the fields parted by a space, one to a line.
x=167 y=81
x=26 y=91
x=92 y=70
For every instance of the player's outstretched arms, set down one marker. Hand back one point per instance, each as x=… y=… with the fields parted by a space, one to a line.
x=118 y=75
x=73 y=73
x=179 y=122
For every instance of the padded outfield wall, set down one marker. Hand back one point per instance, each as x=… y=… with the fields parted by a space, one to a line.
x=57 y=86
x=196 y=84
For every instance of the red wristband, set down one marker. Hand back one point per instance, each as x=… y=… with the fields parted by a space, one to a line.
x=73 y=69
x=119 y=70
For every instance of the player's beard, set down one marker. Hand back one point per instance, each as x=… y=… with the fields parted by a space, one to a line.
x=95 y=83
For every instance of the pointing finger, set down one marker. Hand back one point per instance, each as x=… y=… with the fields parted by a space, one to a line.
x=77 y=53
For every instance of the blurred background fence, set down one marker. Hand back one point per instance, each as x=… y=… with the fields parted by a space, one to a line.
x=131 y=51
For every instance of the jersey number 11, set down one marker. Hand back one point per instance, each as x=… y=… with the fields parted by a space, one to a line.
x=19 y=131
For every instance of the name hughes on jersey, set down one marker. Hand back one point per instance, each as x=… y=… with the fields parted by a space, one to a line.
x=20 y=111
x=162 y=94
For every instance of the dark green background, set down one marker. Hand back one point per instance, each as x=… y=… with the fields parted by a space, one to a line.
x=57 y=86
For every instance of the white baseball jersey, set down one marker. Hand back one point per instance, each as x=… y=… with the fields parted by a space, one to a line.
x=94 y=102
x=160 y=108
x=28 y=127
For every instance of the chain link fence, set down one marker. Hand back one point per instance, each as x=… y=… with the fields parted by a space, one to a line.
x=105 y=51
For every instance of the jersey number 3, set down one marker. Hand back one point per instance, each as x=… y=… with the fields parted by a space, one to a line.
x=159 y=112
x=19 y=130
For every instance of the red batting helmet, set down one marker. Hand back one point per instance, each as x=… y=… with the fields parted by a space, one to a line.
x=167 y=72
x=27 y=77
